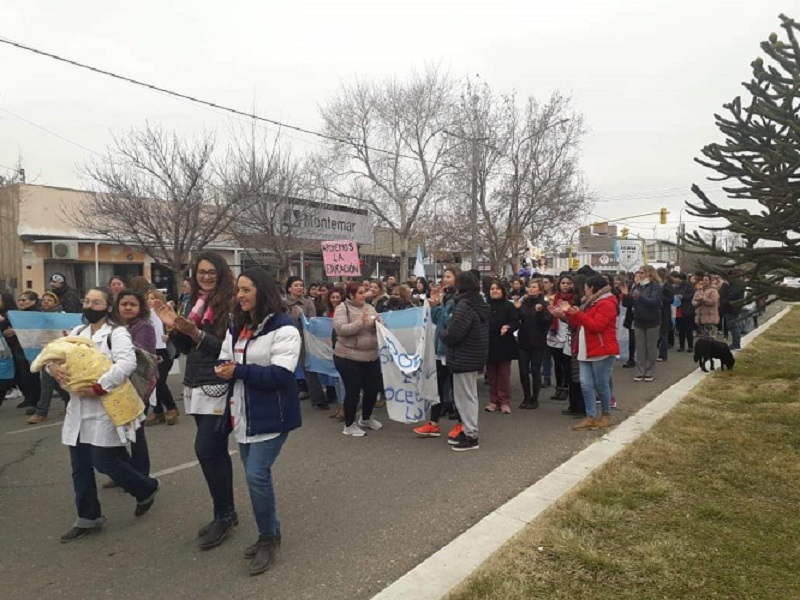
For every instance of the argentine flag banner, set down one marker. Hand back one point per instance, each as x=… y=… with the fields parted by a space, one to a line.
x=408 y=363
x=317 y=333
x=36 y=329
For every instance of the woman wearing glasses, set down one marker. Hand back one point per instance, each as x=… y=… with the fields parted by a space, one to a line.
x=199 y=334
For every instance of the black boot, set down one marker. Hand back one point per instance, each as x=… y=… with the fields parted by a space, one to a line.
x=250 y=551
x=266 y=549
x=525 y=380
x=216 y=532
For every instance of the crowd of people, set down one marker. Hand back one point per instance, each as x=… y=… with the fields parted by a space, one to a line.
x=244 y=355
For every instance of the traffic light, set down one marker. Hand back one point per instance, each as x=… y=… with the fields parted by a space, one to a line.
x=624 y=233
x=575 y=264
x=663 y=216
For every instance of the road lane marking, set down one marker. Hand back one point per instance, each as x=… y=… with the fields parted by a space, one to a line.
x=34 y=428
x=183 y=467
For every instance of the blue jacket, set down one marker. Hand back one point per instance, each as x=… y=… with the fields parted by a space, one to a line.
x=441 y=316
x=271 y=396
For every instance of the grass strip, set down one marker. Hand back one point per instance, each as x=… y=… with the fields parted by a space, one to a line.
x=703 y=506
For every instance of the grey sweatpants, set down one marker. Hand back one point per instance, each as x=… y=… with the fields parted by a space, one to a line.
x=465 y=392
x=646 y=350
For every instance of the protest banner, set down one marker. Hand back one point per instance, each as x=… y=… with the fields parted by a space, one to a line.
x=628 y=255
x=409 y=377
x=408 y=363
x=341 y=258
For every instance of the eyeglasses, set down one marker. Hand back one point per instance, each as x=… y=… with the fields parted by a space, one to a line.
x=94 y=303
x=212 y=274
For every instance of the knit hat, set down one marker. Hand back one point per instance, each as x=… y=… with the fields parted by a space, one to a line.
x=291 y=281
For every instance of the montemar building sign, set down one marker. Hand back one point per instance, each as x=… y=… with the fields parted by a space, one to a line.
x=317 y=221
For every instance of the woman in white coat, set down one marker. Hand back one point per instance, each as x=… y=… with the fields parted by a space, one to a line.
x=94 y=442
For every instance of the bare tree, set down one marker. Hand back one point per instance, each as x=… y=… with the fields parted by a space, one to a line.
x=156 y=192
x=276 y=184
x=531 y=185
x=407 y=119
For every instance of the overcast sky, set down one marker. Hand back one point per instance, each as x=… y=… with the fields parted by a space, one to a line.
x=648 y=75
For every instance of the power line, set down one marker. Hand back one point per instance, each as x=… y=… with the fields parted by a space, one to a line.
x=274 y=122
x=53 y=133
x=208 y=103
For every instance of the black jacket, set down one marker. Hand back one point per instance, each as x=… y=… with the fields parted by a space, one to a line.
x=686 y=291
x=647 y=307
x=467 y=334
x=200 y=360
x=667 y=296
x=534 y=324
x=68 y=299
x=502 y=348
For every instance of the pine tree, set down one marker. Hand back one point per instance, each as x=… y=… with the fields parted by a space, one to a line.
x=761 y=159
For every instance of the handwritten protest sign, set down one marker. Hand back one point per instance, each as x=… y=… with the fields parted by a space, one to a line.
x=341 y=258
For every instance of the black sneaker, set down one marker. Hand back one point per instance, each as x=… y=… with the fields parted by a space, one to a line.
x=323 y=406
x=457 y=440
x=629 y=365
x=77 y=533
x=529 y=405
x=465 y=444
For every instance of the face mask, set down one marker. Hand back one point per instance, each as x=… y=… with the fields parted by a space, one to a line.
x=94 y=316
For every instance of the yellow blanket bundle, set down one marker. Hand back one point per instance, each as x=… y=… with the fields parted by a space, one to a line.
x=85 y=365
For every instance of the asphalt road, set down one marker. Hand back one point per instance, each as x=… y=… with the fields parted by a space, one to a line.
x=356 y=513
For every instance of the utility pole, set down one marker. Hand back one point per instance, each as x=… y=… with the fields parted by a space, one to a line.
x=474 y=212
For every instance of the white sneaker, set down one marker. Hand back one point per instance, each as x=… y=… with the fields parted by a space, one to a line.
x=370 y=423
x=13 y=393
x=354 y=430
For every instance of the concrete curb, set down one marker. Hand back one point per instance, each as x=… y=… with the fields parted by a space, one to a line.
x=436 y=576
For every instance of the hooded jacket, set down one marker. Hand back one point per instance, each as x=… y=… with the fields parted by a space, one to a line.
x=266 y=370
x=597 y=322
x=467 y=334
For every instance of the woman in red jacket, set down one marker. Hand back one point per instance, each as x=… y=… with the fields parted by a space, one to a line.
x=596 y=321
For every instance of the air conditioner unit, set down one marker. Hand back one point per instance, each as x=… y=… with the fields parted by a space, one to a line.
x=64 y=250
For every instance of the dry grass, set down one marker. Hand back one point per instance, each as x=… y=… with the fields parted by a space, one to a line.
x=704 y=506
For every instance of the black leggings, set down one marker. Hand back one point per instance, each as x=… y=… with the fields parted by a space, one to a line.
x=562 y=363
x=211 y=448
x=358 y=376
x=444 y=381
x=163 y=394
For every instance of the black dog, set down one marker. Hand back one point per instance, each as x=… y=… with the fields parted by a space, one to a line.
x=706 y=348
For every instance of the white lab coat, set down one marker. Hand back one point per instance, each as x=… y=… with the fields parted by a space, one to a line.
x=86 y=418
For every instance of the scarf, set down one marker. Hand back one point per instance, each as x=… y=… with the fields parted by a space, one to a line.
x=568 y=297
x=198 y=315
x=595 y=297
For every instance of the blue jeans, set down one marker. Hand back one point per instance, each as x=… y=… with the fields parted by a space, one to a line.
x=258 y=459
x=113 y=462
x=595 y=383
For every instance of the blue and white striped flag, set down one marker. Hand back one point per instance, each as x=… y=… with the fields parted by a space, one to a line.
x=36 y=329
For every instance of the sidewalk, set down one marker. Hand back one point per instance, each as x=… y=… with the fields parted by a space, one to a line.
x=680 y=512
